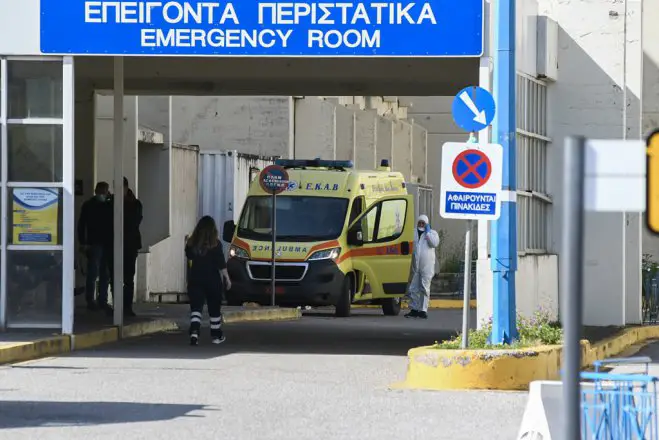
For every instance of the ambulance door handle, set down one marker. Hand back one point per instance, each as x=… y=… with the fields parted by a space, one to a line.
x=405 y=248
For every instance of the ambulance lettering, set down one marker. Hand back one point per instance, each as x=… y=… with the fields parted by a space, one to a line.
x=266 y=248
x=322 y=187
x=388 y=250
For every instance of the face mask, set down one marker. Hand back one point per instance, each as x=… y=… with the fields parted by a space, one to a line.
x=101 y=197
x=421 y=229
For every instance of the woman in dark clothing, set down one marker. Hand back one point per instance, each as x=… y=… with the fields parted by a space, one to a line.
x=206 y=277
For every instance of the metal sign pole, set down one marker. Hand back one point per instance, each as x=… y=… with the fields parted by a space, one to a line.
x=274 y=243
x=571 y=281
x=466 y=289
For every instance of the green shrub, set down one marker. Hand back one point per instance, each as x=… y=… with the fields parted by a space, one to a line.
x=534 y=331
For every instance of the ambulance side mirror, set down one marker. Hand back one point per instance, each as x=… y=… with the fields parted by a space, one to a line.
x=355 y=237
x=228 y=230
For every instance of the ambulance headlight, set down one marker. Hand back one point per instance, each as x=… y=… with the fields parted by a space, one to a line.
x=236 y=252
x=326 y=254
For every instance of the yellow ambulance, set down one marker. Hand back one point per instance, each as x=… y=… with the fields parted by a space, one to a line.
x=342 y=236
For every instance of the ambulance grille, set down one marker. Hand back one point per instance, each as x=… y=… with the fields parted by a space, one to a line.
x=261 y=271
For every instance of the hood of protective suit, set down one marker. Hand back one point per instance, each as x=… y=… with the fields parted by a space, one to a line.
x=423 y=218
x=423 y=259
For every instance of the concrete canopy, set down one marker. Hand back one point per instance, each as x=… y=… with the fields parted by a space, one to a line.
x=282 y=76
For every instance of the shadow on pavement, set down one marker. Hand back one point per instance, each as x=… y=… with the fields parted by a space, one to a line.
x=27 y=414
x=364 y=333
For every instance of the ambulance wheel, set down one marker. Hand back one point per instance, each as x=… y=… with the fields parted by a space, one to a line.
x=345 y=300
x=391 y=306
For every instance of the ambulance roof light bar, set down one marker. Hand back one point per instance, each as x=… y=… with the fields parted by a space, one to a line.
x=314 y=163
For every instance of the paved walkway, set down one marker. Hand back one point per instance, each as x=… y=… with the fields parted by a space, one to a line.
x=93 y=328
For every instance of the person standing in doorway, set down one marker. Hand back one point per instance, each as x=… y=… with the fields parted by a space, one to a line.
x=132 y=244
x=207 y=277
x=94 y=228
x=423 y=268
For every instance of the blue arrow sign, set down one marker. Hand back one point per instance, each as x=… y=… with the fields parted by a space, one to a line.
x=473 y=109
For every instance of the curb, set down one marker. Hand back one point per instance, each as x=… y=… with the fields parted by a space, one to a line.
x=61 y=344
x=434 y=304
x=263 y=315
x=430 y=368
x=23 y=351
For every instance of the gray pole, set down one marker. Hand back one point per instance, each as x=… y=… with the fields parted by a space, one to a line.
x=571 y=281
x=274 y=243
x=118 y=215
x=466 y=289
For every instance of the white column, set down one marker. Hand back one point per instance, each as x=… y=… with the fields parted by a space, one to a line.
x=68 y=176
x=118 y=120
x=3 y=188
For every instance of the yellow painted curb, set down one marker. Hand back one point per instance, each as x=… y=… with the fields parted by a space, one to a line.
x=25 y=351
x=618 y=343
x=434 y=304
x=440 y=369
x=277 y=314
x=148 y=327
x=83 y=341
x=436 y=369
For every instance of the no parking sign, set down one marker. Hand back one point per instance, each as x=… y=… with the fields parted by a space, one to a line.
x=471 y=181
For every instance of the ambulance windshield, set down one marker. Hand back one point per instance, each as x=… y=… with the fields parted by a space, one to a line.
x=299 y=218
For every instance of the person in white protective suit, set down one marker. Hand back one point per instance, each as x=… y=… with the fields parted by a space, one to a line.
x=423 y=269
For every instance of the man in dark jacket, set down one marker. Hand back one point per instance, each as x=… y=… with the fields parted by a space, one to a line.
x=94 y=235
x=132 y=244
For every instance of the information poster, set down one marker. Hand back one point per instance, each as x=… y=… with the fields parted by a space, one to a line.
x=35 y=216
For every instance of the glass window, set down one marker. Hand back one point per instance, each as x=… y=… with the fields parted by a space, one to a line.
x=384 y=221
x=35 y=89
x=35 y=153
x=299 y=218
x=357 y=208
x=34 y=287
x=368 y=224
x=35 y=216
x=392 y=219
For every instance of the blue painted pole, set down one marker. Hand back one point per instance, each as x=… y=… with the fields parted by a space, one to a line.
x=504 y=230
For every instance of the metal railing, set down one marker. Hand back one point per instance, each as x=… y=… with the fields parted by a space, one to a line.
x=619 y=406
x=451 y=284
x=650 y=300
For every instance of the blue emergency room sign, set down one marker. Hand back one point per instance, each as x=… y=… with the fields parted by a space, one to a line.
x=434 y=28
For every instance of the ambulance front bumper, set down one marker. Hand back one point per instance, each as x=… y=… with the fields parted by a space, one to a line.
x=309 y=283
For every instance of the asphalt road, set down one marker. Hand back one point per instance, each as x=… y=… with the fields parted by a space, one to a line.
x=317 y=378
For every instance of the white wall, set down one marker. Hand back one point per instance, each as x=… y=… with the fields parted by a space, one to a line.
x=526 y=37
x=536 y=283
x=650 y=99
x=23 y=26
x=315 y=129
x=587 y=99
x=249 y=124
x=365 y=130
x=327 y=129
x=104 y=143
x=165 y=262
x=153 y=168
